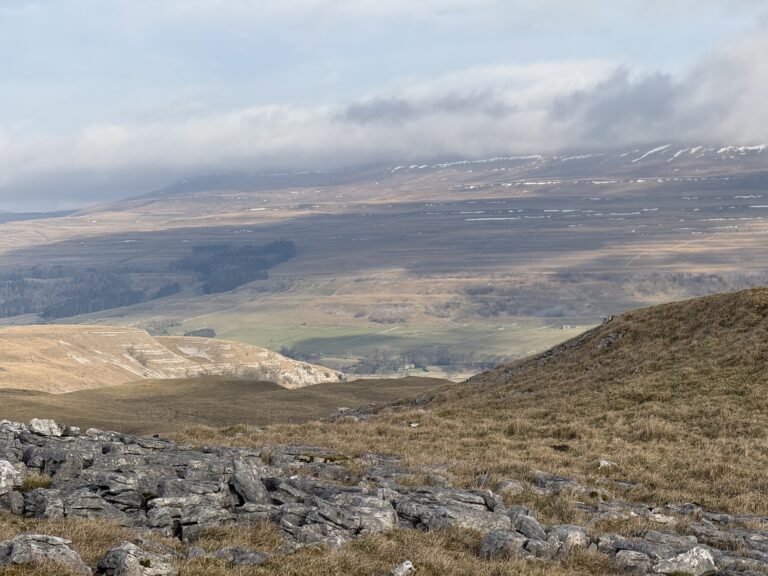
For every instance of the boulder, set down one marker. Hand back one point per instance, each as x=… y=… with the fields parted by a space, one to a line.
x=44 y=503
x=546 y=549
x=697 y=562
x=634 y=562
x=130 y=560
x=438 y=508
x=256 y=513
x=71 y=431
x=13 y=502
x=529 y=527
x=405 y=569
x=43 y=427
x=10 y=477
x=570 y=537
x=502 y=544
x=30 y=549
x=248 y=485
x=511 y=487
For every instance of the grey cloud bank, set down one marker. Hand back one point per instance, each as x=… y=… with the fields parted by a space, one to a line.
x=538 y=106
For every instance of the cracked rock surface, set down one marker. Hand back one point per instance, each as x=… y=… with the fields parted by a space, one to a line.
x=178 y=491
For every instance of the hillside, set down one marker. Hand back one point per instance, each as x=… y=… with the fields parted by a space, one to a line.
x=166 y=406
x=57 y=359
x=673 y=396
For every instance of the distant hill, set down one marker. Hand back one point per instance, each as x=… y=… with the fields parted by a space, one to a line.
x=58 y=358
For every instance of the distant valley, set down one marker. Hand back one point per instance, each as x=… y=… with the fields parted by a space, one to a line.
x=514 y=254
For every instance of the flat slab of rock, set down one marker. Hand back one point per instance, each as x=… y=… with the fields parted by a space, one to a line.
x=30 y=549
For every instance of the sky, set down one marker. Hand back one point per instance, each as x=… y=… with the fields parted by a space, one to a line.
x=104 y=99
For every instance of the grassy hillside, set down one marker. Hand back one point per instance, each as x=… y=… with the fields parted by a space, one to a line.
x=164 y=406
x=675 y=395
x=61 y=358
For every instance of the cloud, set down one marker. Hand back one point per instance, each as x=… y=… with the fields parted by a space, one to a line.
x=551 y=10
x=722 y=99
x=623 y=108
x=535 y=108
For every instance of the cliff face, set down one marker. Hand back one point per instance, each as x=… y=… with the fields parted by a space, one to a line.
x=210 y=356
x=58 y=358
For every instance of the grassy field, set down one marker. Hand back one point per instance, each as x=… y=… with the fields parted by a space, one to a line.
x=330 y=321
x=166 y=406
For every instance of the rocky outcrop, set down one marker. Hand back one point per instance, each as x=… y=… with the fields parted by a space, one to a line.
x=314 y=499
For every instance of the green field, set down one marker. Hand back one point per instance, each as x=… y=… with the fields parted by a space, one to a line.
x=265 y=323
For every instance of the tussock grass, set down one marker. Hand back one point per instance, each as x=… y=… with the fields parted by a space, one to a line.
x=35 y=480
x=434 y=554
x=264 y=537
x=439 y=553
x=91 y=538
x=678 y=402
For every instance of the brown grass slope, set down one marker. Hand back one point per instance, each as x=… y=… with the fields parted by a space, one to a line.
x=675 y=395
x=64 y=358
x=165 y=406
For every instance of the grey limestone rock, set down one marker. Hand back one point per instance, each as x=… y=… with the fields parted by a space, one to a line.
x=248 y=485
x=697 y=562
x=546 y=549
x=43 y=427
x=570 y=537
x=30 y=549
x=44 y=503
x=634 y=562
x=179 y=491
x=529 y=527
x=13 y=502
x=437 y=508
x=405 y=569
x=130 y=560
x=10 y=477
x=503 y=544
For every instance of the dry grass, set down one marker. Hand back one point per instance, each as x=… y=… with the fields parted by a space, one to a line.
x=91 y=538
x=35 y=480
x=264 y=537
x=164 y=406
x=678 y=402
x=449 y=552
